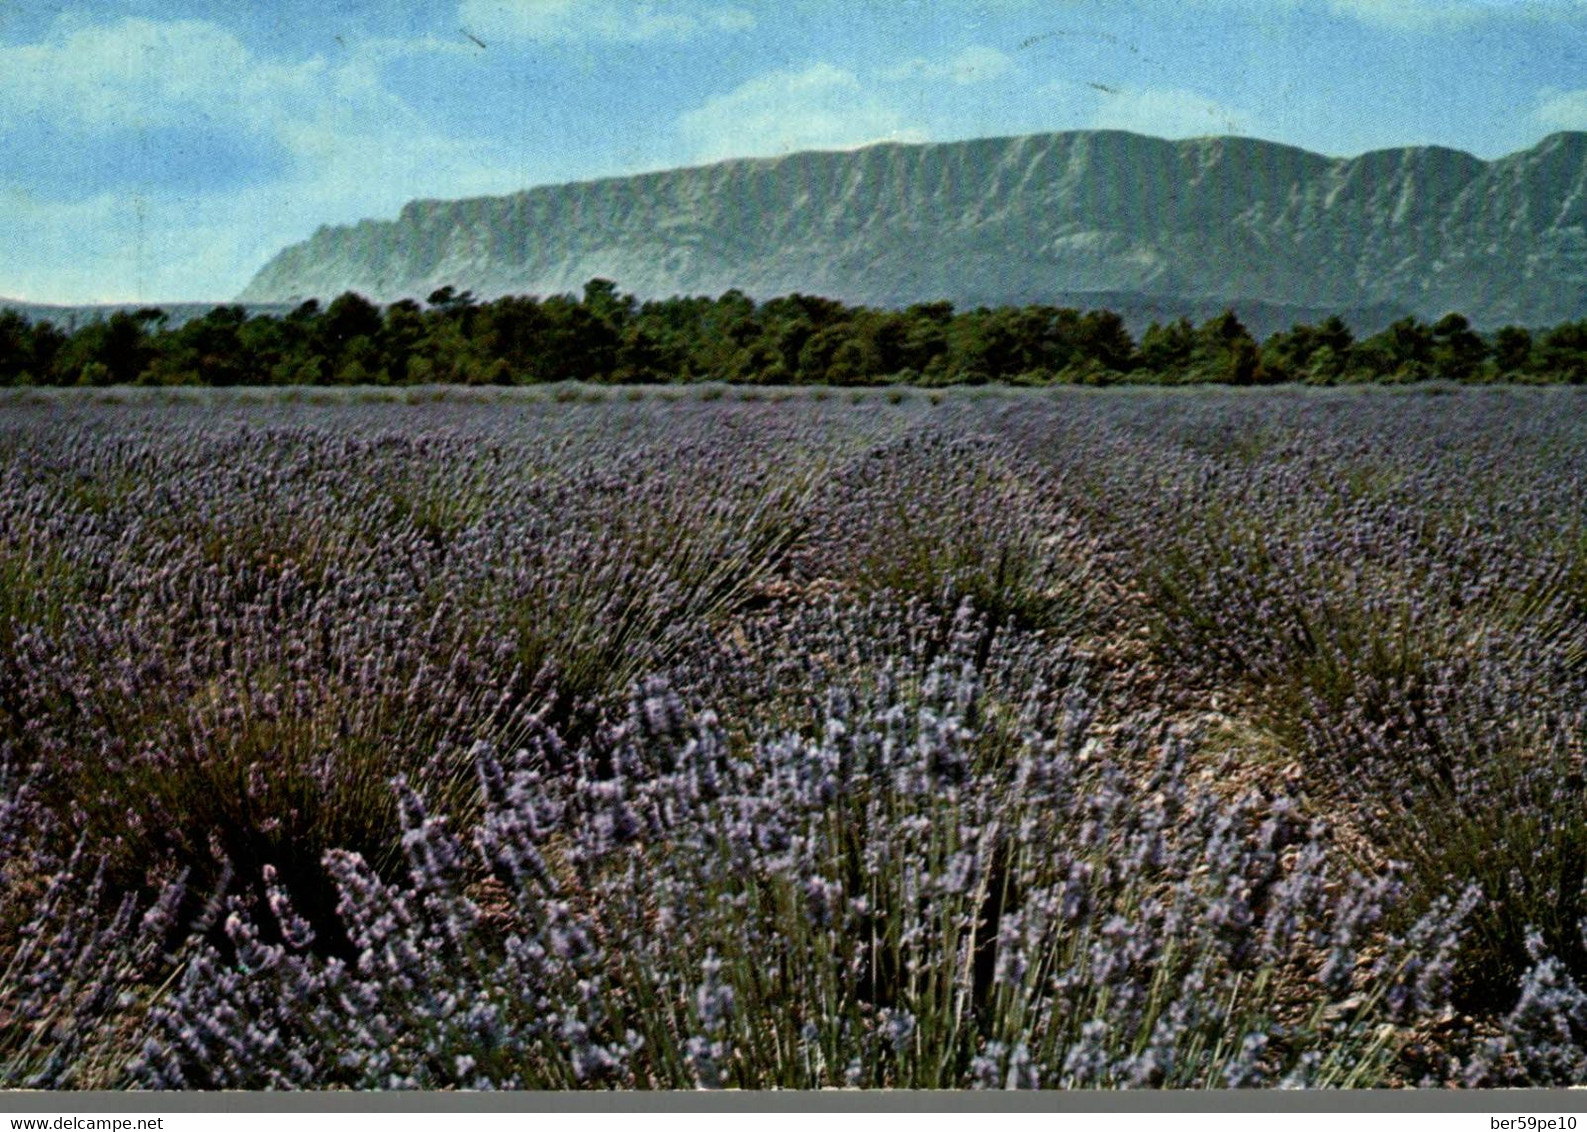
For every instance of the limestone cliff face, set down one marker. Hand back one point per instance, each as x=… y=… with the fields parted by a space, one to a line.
x=1012 y=220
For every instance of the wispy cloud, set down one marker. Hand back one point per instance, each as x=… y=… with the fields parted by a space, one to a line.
x=1167 y=112
x=972 y=65
x=181 y=159
x=1562 y=110
x=132 y=71
x=123 y=247
x=620 y=21
x=819 y=107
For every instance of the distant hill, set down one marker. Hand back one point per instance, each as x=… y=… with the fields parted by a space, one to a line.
x=1261 y=318
x=69 y=317
x=1203 y=223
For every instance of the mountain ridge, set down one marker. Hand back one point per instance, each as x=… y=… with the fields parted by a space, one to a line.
x=993 y=221
x=72 y=316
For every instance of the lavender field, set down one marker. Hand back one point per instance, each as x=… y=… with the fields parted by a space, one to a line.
x=745 y=738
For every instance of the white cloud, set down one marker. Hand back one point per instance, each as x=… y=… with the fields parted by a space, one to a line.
x=1167 y=113
x=118 y=75
x=972 y=65
x=622 y=21
x=119 y=247
x=139 y=73
x=1562 y=109
x=820 y=107
x=327 y=142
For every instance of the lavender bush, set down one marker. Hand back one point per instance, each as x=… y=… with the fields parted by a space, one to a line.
x=1116 y=739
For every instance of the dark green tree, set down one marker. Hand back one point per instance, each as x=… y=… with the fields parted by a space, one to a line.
x=16 y=347
x=1166 y=350
x=1458 y=351
x=1512 y=349
x=1563 y=352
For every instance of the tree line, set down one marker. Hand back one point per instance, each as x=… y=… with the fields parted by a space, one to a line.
x=607 y=336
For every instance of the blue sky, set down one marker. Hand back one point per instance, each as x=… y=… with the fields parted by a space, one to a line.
x=164 y=149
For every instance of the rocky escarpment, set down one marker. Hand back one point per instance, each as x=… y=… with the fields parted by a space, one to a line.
x=1013 y=220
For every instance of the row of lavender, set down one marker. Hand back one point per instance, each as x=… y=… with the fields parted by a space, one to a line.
x=1126 y=740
